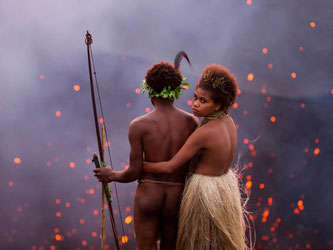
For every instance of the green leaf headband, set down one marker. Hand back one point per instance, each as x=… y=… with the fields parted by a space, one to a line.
x=166 y=93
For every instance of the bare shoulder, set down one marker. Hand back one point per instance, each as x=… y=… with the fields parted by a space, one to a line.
x=138 y=126
x=192 y=120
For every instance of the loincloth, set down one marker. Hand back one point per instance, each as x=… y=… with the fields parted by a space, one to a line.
x=211 y=214
x=161 y=182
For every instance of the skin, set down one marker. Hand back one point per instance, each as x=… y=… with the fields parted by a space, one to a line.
x=156 y=136
x=214 y=142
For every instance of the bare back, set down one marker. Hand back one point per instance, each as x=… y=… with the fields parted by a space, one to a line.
x=219 y=149
x=166 y=132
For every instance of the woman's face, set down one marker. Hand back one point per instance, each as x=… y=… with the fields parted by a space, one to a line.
x=203 y=104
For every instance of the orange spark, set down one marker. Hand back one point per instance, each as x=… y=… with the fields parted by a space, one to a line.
x=248 y=2
x=262 y=186
x=56 y=230
x=250 y=164
x=265 y=213
x=88 y=161
x=17 y=160
x=124 y=239
x=246 y=141
x=272 y=229
x=42 y=77
x=239 y=91
x=278 y=220
x=72 y=164
x=101 y=120
x=58 y=237
x=137 y=91
x=95 y=212
x=316 y=140
x=264 y=50
x=76 y=87
x=293 y=75
x=84 y=243
x=301 y=48
x=10 y=183
x=250 y=77
x=58 y=113
x=270 y=170
x=82 y=221
x=273 y=119
x=264 y=237
x=312 y=24
x=302 y=105
x=67 y=204
x=58 y=214
x=296 y=211
x=189 y=102
x=270 y=201
x=94 y=234
x=128 y=209
x=235 y=105
x=248 y=177
x=300 y=203
x=251 y=147
x=147 y=109
x=128 y=105
x=128 y=219
x=270 y=65
x=316 y=151
x=52 y=247
x=123 y=58
x=248 y=184
x=58 y=201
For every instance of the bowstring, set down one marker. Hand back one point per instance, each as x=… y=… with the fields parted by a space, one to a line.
x=106 y=136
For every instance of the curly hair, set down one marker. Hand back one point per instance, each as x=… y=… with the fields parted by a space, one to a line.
x=163 y=74
x=221 y=83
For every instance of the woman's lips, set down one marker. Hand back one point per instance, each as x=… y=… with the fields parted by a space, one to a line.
x=194 y=111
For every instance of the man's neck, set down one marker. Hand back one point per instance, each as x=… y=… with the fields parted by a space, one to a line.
x=162 y=104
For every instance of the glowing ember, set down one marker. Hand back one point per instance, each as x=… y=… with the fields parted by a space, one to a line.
x=301 y=48
x=248 y=2
x=101 y=120
x=128 y=209
x=58 y=201
x=239 y=91
x=82 y=221
x=58 y=113
x=128 y=219
x=72 y=164
x=76 y=87
x=84 y=243
x=312 y=24
x=250 y=77
x=270 y=201
x=235 y=105
x=58 y=237
x=270 y=65
x=273 y=119
x=264 y=50
x=94 y=234
x=251 y=147
x=248 y=184
x=42 y=77
x=58 y=214
x=246 y=141
x=147 y=109
x=56 y=230
x=316 y=151
x=293 y=75
x=96 y=212
x=302 y=105
x=316 y=140
x=88 y=161
x=262 y=186
x=124 y=239
x=68 y=204
x=128 y=105
x=17 y=160
x=137 y=91
x=10 y=183
x=189 y=102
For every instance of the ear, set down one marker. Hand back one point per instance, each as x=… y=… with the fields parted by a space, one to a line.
x=217 y=106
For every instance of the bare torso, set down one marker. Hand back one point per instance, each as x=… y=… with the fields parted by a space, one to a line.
x=163 y=132
x=218 y=151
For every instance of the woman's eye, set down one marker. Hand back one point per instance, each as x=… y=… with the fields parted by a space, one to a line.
x=194 y=97
x=203 y=101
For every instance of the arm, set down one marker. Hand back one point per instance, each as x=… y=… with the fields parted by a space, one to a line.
x=191 y=146
x=136 y=157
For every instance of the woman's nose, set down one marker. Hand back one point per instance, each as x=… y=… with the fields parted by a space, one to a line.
x=195 y=103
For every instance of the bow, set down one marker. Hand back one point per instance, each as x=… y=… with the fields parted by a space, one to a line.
x=100 y=163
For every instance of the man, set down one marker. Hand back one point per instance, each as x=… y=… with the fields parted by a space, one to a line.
x=155 y=137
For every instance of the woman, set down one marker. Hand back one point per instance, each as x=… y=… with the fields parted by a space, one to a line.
x=211 y=214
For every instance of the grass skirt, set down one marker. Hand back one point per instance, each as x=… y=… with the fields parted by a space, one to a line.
x=211 y=214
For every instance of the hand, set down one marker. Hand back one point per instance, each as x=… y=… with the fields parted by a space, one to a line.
x=104 y=174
